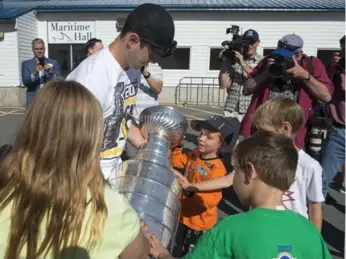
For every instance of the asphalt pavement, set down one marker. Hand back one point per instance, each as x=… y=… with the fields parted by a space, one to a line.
x=333 y=213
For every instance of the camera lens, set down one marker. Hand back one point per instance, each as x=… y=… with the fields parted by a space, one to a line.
x=276 y=70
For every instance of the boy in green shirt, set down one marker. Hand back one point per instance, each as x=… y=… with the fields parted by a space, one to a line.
x=264 y=166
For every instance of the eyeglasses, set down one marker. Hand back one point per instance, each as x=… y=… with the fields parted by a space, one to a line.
x=283 y=45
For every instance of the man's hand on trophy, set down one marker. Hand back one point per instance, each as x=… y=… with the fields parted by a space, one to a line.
x=142 y=143
x=157 y=249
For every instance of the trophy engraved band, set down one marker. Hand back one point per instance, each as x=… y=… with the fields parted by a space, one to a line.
x=147 y=180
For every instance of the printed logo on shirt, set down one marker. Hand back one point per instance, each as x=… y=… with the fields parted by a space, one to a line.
x=284 y=255
x=284 y=252
x=202 y=171
x=116 y=124
x=210 y=165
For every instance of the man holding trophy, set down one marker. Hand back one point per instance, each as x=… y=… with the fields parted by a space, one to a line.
x=113 y=76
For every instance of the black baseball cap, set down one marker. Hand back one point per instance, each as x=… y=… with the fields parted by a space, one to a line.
x=251 y=36
x=155 y=26
x=228 y=128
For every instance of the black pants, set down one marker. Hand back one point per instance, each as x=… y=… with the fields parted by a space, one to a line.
x=185 y=239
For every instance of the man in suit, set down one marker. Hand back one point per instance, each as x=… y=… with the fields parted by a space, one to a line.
x=38 y=70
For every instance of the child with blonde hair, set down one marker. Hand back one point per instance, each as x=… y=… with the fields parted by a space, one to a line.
x=54 y=201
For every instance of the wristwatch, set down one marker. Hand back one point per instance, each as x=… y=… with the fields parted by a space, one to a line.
x=307 y=78
x=146 y=76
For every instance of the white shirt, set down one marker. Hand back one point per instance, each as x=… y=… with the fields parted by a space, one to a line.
x=116 y=91
x=147 y=97
x=307 y=185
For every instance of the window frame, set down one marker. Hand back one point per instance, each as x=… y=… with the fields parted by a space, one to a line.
x=267 y=48
x=210 y=48
x=71 y=50
x=326 y=49
x=176 y=69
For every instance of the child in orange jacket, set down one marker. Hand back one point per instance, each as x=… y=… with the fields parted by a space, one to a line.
x=199 y=209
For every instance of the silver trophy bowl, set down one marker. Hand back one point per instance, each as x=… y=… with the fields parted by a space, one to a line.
x=147 y=181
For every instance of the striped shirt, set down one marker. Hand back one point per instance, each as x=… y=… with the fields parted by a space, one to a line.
x=236 y=101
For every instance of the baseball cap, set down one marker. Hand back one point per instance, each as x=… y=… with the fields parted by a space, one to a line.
x=228 y=128
x=289 y=45
x=155 y=26
x=251 y=36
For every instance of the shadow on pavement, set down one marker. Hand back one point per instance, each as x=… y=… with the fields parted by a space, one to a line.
x=230 y=203
x=334 y=237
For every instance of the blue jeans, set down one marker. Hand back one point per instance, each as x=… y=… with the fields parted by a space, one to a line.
x=333 y=156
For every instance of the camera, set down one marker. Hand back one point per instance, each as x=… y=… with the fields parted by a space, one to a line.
x=41 y=61
x=280 y=65
x=236 y=44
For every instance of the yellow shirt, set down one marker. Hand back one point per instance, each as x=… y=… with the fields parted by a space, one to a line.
x=121 y=228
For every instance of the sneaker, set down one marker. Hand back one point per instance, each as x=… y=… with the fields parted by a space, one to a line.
x=342 y=188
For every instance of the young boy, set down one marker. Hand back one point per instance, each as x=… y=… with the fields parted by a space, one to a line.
x=199 y=209
x=264 y=167
x=285 y=116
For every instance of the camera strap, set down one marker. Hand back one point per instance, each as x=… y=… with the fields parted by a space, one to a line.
x=309 y=64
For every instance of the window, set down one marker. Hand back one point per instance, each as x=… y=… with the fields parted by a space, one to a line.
x=214 y=62
x=68 y=56
x=325 y=55
x=180 y=60
x=268 y=51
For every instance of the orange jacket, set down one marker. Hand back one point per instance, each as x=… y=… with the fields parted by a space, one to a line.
x=199 y=212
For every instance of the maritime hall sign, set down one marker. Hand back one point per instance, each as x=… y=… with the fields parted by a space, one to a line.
x=70 y=32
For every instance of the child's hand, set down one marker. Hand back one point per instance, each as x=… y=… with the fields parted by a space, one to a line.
x=181 y=144
x=144 y=229
x=156 y=248
x=185 y=184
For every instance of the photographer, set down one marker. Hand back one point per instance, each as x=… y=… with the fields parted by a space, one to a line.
x=38 y=70
x=233 y=76
x=333 y=152
x=288 y=73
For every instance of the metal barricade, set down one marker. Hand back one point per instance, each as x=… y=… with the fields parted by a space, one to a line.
x=200 y=91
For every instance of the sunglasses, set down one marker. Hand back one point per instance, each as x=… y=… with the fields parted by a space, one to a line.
x=283 y=45
x=158 y=49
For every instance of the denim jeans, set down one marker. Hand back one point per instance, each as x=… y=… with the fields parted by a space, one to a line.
x=333 y=156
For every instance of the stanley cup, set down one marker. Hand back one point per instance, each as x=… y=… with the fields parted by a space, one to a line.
x=147 y=180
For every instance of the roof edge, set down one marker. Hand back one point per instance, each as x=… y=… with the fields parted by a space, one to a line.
x=190 y=8
x=55 y=9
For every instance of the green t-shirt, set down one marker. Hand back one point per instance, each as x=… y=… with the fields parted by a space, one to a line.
x=262 y=234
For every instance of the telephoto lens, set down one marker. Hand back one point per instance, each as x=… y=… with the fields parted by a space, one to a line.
x=281 y=64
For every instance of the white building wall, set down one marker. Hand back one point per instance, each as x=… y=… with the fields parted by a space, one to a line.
x=27 y=30
x=201 y=31
x=9 y=70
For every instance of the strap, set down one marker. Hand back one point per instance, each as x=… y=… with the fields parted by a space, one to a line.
x=309 y=64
